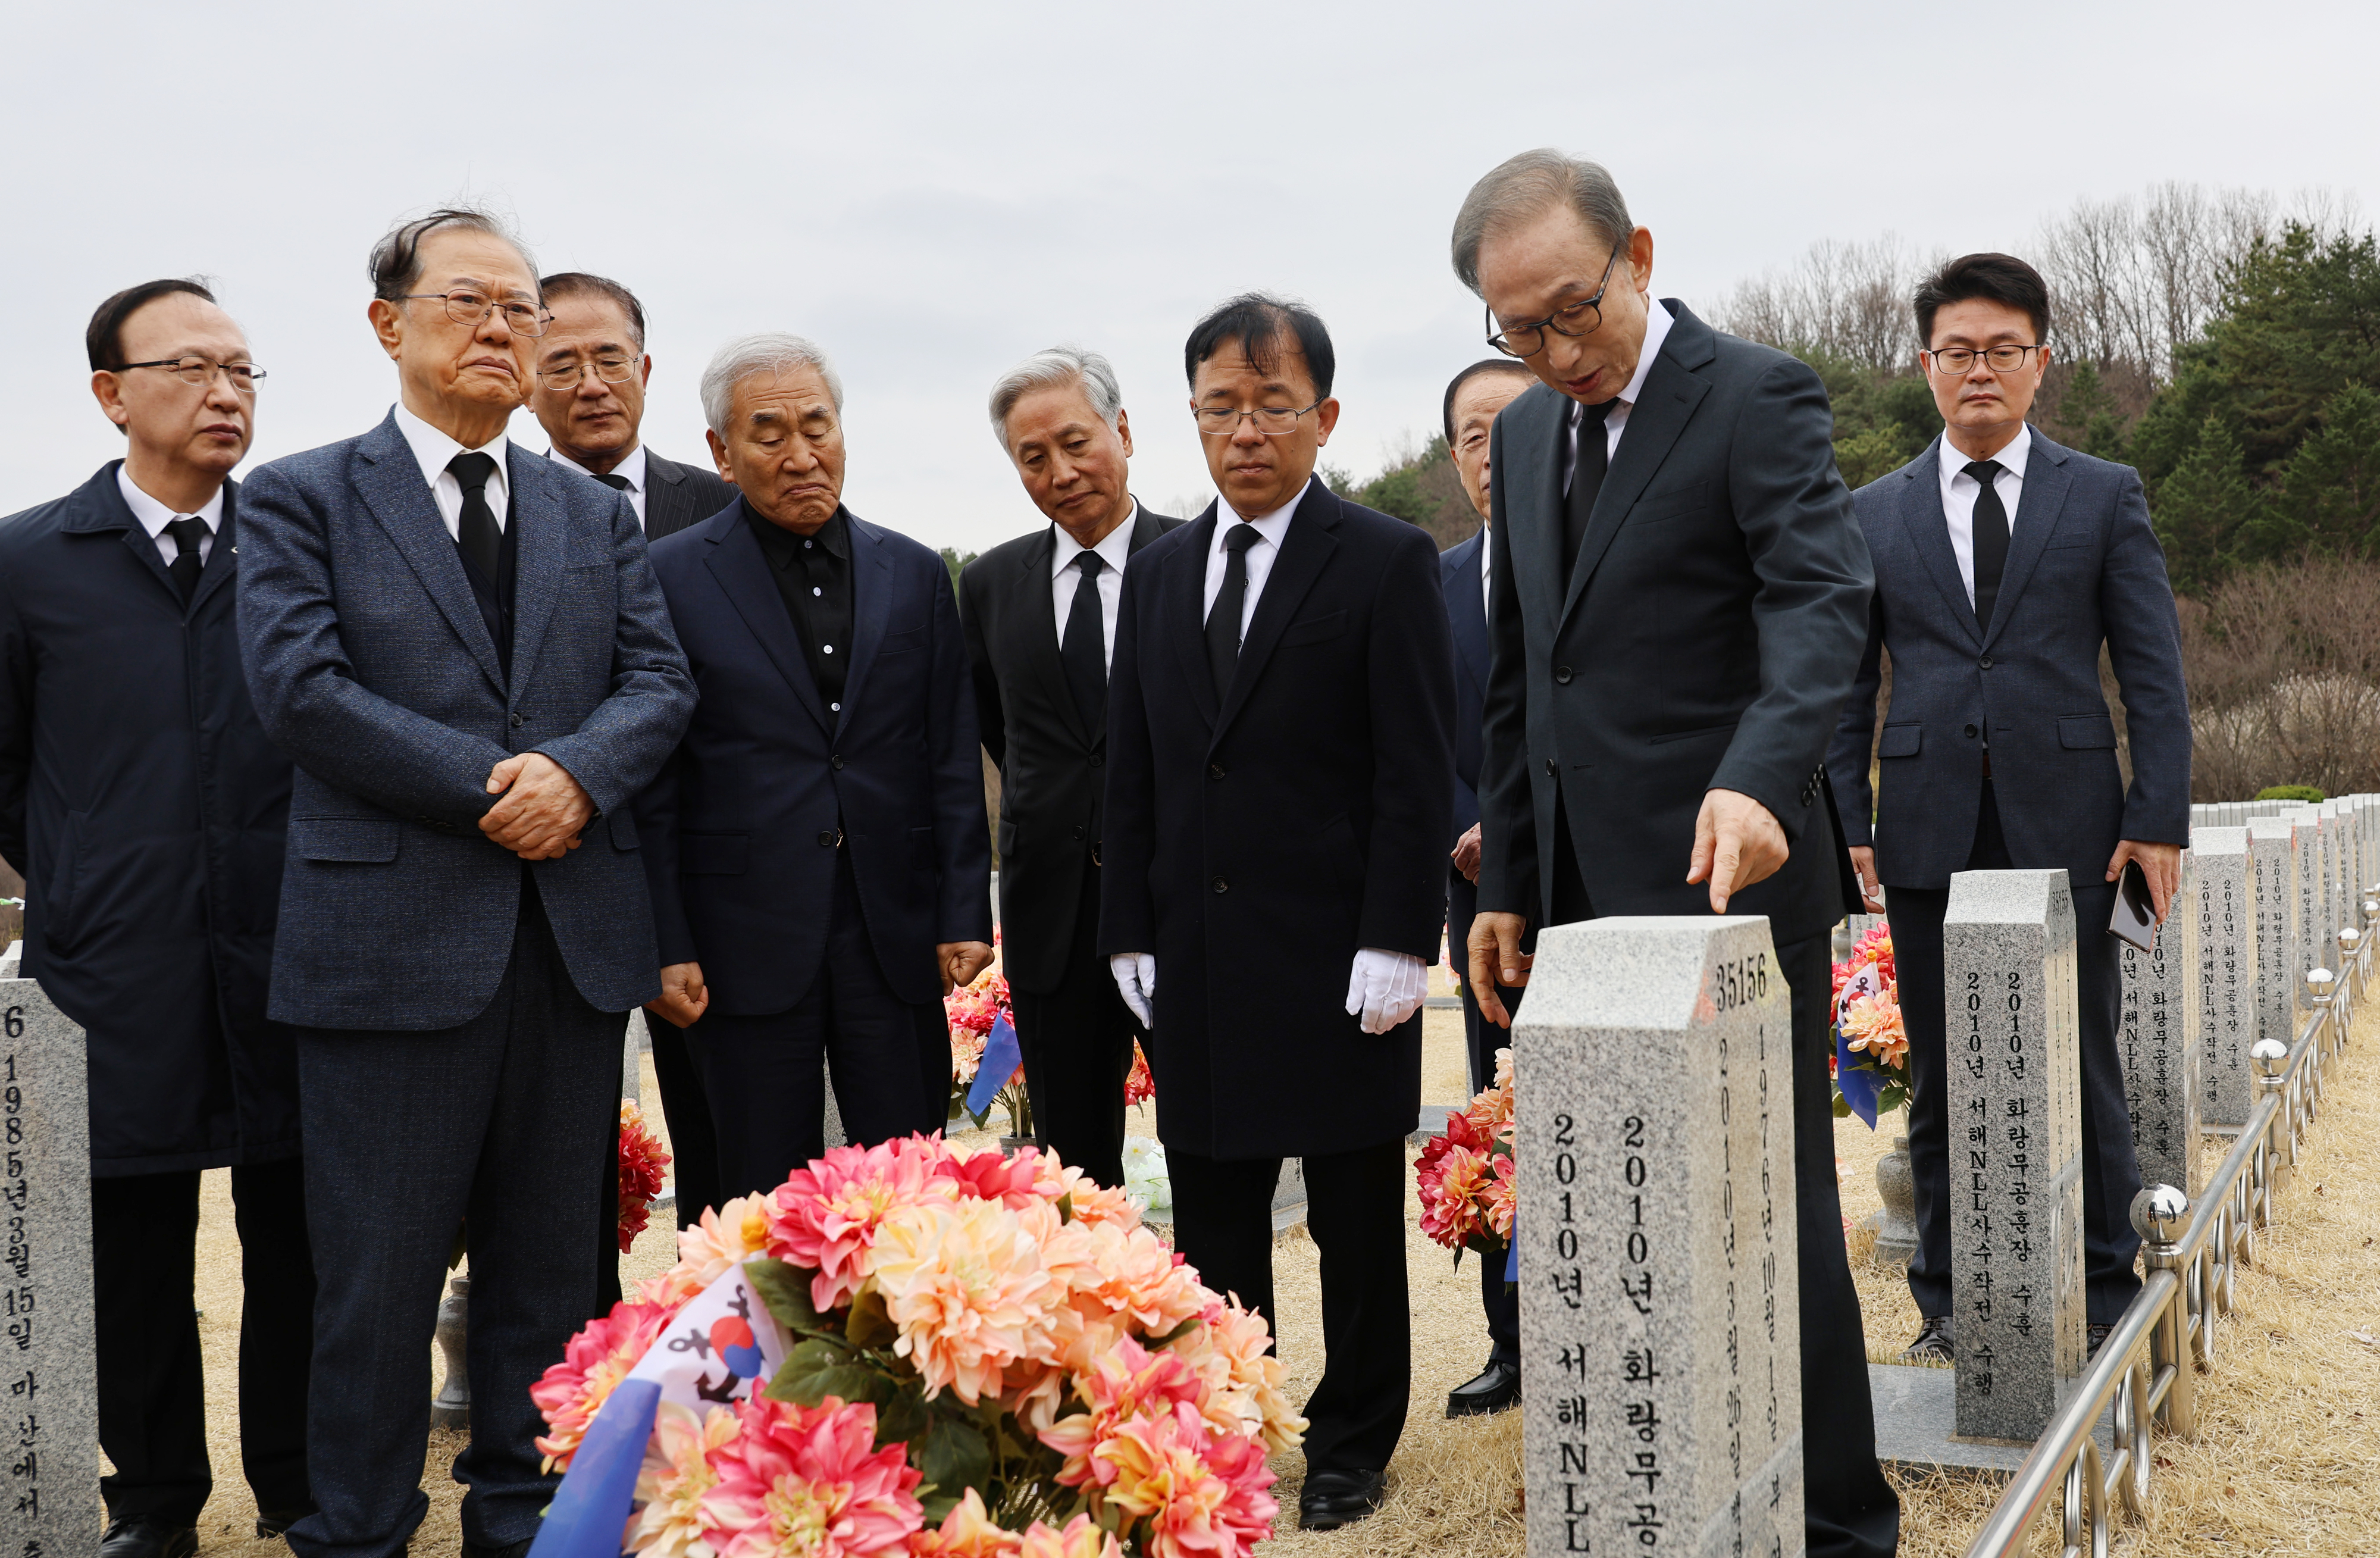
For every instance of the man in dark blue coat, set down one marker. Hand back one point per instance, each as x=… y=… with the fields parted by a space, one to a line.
x=1279 y=779
x=2003 y=564
x=817 y=846
x=139 y=796
x=462 y=646
x=1469 y=413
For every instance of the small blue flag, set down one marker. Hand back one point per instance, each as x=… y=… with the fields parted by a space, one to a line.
x=1000 y=1058
x=1858 y=1083
x=1513 y=1253
x=589 y=1512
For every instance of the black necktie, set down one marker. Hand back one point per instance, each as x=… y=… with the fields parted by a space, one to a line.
x=187 y=532
x=475 y=531
x=1991 y=539
x=615 y=480
x=1586 y=481
x=1223 y=622
x=1084 y=649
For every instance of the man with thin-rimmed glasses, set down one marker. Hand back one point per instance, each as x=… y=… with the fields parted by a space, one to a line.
x=145 y=807
x=463 y=648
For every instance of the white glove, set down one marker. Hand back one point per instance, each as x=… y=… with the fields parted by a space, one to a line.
x=1135 y=978
x=1386 y=987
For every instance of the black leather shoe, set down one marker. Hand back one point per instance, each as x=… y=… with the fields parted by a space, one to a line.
x=1333 y=1499
x=509 y=1550
x=1497 y=1387
x=2098 y=1338
x=270 y=1523
x=1933 y=1343
x=143 y=1535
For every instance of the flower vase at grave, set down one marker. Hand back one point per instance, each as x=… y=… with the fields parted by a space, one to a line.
x=1896 y=1225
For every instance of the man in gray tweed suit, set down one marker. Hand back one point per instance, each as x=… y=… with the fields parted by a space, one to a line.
x=464 y=650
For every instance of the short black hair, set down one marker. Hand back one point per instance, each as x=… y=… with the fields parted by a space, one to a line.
x=103 y=339
x=1485 y=365
x=1257 y=320
x=2003 y=278
x=584 y=284
x=396 y=262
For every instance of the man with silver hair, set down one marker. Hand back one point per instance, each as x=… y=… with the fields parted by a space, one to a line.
x=1039 y=613
x=1677 y=600
x=816 y=846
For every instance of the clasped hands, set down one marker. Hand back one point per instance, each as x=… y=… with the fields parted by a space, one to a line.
x=1738 y=841
x=1383 y=988
x=542 y=811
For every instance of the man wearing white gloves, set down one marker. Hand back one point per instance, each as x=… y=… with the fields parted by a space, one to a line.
x=1279 y=773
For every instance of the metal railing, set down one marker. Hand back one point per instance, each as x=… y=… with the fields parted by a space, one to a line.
x=2148 y=1367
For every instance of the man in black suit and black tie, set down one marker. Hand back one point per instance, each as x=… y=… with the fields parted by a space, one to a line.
x=1039 y=613
x=1280 y=773
x=1678 y=604
x=1469 y=412
x=593 y=370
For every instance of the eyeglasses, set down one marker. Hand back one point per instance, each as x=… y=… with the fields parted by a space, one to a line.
x=1579 y=319
x=611 y=370
x=1222 y=421
x=470 y=308
x=2006 y=357
x=198 y=371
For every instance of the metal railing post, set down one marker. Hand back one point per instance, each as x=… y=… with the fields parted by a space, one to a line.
x=2271 y=1057
x=2161 y=1215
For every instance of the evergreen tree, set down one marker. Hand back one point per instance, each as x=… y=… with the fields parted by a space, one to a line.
x=2202 y=509
x=2330 y=492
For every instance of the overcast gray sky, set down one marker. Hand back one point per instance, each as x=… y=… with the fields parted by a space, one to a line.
x=933 y=190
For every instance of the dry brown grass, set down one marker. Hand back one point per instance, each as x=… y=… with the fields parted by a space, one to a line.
x=2287 y=1460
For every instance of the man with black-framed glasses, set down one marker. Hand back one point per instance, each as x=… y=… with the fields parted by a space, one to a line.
x=1677 y=593
x=2004 y=563
x=147 y=810
x=591 y=374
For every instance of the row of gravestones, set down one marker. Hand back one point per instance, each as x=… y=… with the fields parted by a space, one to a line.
x=1661 y=1327
x=1661 y=1337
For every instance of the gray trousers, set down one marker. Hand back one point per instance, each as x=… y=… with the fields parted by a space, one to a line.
x=500 y=1125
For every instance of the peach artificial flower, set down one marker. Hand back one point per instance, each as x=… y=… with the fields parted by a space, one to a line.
x=966 y=1532
x=1200 y=1494
x=964 y=1283
x=676 y=1476
x=726 y=1235
x=1079 y=1540
x=1230 y=1353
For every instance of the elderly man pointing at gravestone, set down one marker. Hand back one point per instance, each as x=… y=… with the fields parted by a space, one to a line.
x=1677 y=599
x=463 y=647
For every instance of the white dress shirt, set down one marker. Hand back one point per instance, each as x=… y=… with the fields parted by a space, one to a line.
x=1271 y=530
x=630 y=469
x=1960 y=492
x=1487 y=552
x=432 y=449
x=155 y=516
x=1114 y=549
x=1615 y=421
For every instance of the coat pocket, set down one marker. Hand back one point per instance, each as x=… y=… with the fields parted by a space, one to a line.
x=2086 y=732
x=624 y=830
x=902 y=642
x=58 y=894
x=714 y=854
x=362 y=840
x=1314 y=630
x=1900 y=740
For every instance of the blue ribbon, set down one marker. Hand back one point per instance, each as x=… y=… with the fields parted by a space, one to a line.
x=1000 y=1057
x=591 y=1509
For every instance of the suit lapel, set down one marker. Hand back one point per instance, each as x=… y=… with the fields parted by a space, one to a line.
x=871 y=604
x=1671 y=392
x=2042 y=498
x=1305 y=549
x=1184 y=603
x=1929 y=532
x=391 y=485
x=741 y=570
x=1467 y=609
x=1036 y=620
x=1538 y=565
x=540 y=510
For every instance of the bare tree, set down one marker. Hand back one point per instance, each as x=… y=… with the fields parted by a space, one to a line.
x=1848 y=301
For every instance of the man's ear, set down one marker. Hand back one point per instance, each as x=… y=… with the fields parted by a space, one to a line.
x=107 y=388
x=718 y=456
x=1123 y=430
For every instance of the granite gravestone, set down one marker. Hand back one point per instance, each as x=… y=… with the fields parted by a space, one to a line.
x=2276 y=926
x=2227 y=973
x=1660 y=1330
x=2305 y=947
x=2158 y=1040
x=2016 y=1139
x=49 y=1381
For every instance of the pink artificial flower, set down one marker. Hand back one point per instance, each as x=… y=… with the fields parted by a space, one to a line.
x=966 y=1532
x=1120 y=1384
x=642 y=1158
x=807 y=1483
x=989 y=1175
x=597 y=1358
x=1092 y=1202
x=1079 y=1540
x=1139 y=1084
x=1229 y=1352
x=1449 y=1192
x=1495 y=1203
x=827 y=1215
x=1200 y=1494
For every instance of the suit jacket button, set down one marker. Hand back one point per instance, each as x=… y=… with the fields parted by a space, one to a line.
x=1098 y=760
x=1221 y=886
x=835 y=762
x=1549 y=769
x=1078 y=830
x=1215 y=771
x=1986 y=663
x=826 y=838
x=518 y=722
x=1971 y=733
x=1561 y=675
